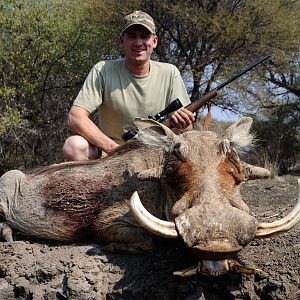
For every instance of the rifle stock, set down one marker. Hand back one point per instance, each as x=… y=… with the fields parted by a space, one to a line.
x=194 y=106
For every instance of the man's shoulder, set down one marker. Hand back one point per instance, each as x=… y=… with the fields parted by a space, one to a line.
x=164 y=67
x=108 y=65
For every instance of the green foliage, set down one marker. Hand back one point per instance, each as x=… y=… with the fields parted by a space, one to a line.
x=9 y=118
x=47 y=48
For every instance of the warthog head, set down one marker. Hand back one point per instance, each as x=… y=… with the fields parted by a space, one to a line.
x=201 y=176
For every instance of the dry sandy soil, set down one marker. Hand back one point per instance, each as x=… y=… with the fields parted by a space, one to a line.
x=35 y=269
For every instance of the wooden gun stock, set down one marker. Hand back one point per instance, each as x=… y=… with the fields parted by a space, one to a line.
x=194 y=106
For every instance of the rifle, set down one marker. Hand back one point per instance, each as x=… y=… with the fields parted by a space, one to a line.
x=194 y=106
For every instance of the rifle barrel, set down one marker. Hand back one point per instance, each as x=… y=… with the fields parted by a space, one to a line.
x=194 y=106
x=243 y=72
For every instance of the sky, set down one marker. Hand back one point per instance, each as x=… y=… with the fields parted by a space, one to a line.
x=221 y=115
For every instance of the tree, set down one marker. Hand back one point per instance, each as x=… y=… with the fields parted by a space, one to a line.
x=278 y=140
x=210 y=40
x=278 y=105
x=47 y=48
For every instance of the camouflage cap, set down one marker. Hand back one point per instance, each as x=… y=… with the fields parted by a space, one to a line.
x=139 y=18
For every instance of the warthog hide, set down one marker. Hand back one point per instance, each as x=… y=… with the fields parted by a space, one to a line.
x=190 y=180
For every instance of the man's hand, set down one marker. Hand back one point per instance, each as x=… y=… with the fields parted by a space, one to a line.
x=182 y=118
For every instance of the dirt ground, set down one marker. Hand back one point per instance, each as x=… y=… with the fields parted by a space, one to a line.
x=35 y=269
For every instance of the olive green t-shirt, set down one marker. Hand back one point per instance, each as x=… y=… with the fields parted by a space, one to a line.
x=121 y=96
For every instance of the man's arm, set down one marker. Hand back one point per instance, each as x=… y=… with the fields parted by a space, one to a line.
x=79 y=122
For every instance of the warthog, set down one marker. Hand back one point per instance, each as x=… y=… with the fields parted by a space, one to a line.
x=190 y=180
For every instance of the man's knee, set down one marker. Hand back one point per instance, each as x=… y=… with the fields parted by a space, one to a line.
x=78 y=148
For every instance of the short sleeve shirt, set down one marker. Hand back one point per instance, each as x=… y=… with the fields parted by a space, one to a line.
x=120 y=96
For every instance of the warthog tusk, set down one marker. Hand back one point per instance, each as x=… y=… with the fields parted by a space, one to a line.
x=149 y=222
x=274 y=228
x=216 y=268
x=254 y=172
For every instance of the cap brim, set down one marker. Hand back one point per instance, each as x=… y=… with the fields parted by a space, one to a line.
x=150 y=30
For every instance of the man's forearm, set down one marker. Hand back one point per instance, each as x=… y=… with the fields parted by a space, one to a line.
x=83 y=126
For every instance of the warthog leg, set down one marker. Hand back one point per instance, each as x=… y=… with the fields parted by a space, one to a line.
x=216 y=268
x=283 y=225
x=5 y=232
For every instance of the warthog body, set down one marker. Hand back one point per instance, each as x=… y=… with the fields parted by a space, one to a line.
x=191 y=179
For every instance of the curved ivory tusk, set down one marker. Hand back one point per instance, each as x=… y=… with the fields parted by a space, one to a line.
x=149 y=222
x=216 y=268
x=254 y=172
x=283 y=225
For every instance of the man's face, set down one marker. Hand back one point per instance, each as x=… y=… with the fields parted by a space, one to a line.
x=138 y=44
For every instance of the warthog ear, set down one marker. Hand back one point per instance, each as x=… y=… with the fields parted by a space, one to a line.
x=142 y=123
x=238 y=133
